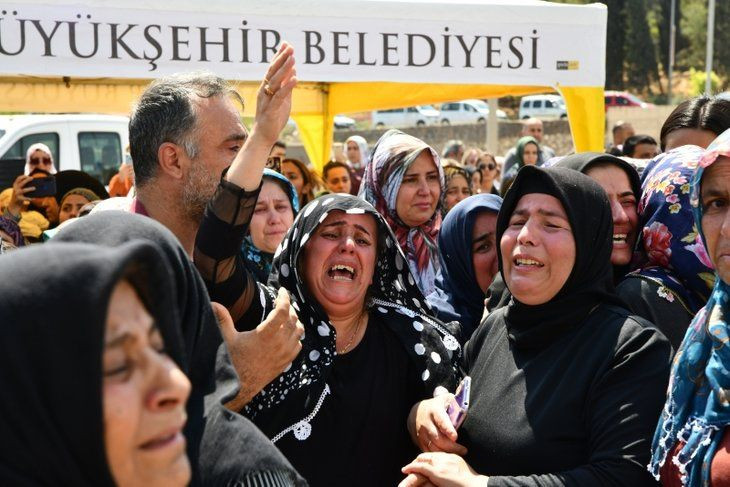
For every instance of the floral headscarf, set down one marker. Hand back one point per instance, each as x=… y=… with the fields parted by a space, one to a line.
x=677 y=260
x=697 y=408
x=258 y=261
x=394 y=300
x=392 y=156
x=13 y=230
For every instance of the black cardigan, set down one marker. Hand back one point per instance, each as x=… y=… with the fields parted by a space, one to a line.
x=579 y=411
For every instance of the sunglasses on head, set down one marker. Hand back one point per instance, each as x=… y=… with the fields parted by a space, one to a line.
x=37 y=160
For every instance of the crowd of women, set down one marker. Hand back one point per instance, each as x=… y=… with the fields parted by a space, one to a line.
x=585 y=312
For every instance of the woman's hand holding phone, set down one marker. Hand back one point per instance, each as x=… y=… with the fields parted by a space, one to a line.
x=18 y=201
x=431 y=428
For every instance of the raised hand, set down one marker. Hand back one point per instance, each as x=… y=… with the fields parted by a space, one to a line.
x=273 y=102
x=273 y=106
x=18 y=201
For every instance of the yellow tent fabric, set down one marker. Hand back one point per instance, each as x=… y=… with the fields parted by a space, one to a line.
x=314 y=104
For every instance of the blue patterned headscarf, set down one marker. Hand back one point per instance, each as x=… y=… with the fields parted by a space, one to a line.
x=458 y=296
x=676 y=258
x=258 y=261
x=698 y=403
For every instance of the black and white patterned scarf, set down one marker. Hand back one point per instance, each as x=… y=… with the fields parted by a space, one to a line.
x=395 y=300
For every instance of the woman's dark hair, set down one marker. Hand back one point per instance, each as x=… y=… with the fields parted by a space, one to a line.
x=631 y=143
x=332 y=165
x=702 y=112
x=309 y=178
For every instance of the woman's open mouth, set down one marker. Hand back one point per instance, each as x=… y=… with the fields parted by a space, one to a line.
x=341 y=272
x=526 y=263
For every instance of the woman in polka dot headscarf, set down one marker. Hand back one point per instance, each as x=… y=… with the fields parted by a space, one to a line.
x=371 y=347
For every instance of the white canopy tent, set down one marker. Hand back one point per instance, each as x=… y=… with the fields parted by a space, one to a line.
x=352 y=55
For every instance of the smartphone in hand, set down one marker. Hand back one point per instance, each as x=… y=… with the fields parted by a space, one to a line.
x=459 y=404
x=43 y=187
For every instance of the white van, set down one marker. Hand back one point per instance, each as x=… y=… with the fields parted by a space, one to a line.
x=543 y=106
x=91 y=143
x=405 y=117
x=467 y=111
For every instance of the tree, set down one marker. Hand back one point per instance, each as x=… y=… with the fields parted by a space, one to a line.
x=722 y=40
x=664 y=17
x=615 y=44
x=640 y=62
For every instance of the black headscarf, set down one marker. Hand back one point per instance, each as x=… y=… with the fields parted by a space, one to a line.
x=590 y=282
x=584 y=161
x=206 y=361
x=54 y=301
x=394 y=299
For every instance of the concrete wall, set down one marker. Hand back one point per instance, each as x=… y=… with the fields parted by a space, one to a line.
x=646 y=121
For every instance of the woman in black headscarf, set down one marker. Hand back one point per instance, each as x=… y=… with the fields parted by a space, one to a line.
x=210 y=431
x=92 y=390
x=621 y=183
x=566 y=384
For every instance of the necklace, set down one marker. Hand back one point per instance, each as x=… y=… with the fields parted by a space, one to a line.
x=352 y=338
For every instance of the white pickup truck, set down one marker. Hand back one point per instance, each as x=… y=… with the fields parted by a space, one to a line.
x=91 y=143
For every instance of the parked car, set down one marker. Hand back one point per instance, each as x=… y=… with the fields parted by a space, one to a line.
x=467 y=111
x=406 y=117
x=343 y=122
x=91 y=143
x=624 y=99
x=543 y=106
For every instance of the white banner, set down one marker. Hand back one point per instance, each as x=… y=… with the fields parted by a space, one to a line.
x=87 y=41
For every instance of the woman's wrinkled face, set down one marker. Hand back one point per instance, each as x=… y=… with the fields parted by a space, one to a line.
x=419 y=191
x=529 y=155
x=484 y=249
x=615 y=182
x=40 y=160
x=144 y=395
x=272 y=217
x=538 y=249
x=353 y=153
x=339 y=261
x=715 y=199
x=456 y=190
x=71 y=207
x=294 y=175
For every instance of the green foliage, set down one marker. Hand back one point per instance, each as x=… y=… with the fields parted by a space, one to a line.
x=640 y=62
x=637 y=40
x=697 y=81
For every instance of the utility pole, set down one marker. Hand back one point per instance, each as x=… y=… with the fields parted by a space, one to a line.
x=710 y=45
x=492 y=127
x=672 y=34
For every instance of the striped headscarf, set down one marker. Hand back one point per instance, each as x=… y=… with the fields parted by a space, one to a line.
x=391 y=157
